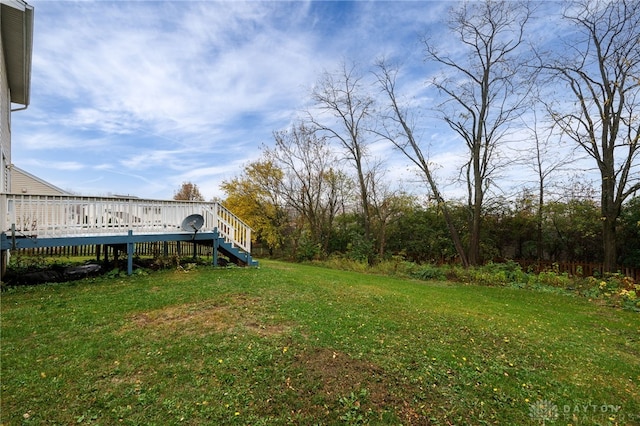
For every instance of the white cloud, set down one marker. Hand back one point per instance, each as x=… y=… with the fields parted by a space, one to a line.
x=194 y=77
x=137 y=97
x=55 y=165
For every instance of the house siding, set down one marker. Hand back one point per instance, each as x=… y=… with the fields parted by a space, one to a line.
x=25 y=183
x=5 y=130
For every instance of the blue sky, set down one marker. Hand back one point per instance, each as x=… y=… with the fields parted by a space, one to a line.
x=136 y=97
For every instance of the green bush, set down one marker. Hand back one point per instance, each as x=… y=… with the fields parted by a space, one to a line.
x=508 y=272
x=396 y=266
x=553 y=279
x=337 y=261
x=617 y=290
x=308 y=250
x=359 y=248
x=489 y=275
x=429 y=272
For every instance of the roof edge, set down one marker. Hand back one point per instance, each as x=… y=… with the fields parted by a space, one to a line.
x=17 y=37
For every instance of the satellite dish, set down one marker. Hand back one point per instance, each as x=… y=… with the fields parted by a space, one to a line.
x=192 y=223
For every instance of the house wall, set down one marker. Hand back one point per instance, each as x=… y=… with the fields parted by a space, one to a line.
x=5 y=124
x=25 y=183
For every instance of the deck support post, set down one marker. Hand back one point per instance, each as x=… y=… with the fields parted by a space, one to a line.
x=105 y=250
x=216 y=242
x=4 y=260
x=130 y=250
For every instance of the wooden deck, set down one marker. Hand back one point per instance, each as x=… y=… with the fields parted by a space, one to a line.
x=55 y=220
x=48 y=216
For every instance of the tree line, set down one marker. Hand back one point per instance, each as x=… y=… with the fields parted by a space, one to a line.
x=512 y=102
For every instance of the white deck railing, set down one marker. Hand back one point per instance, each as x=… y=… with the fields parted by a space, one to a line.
x=50 y=216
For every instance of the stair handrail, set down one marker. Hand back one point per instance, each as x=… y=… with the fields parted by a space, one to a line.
x=232 y=228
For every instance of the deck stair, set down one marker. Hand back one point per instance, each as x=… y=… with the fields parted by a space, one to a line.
x=235 y=254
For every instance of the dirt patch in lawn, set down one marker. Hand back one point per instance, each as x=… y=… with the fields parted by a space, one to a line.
x=330 y=383
x=239 y=313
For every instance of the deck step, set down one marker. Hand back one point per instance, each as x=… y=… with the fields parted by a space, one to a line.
x=235 y=254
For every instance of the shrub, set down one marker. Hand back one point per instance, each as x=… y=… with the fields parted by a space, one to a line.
x=630 y=299
x=429 y=272
x=618 y=290
x=553 y=279
x=508 y=272
x=484 y=276
x=456 y=273
x=308 y=250
x=359 y=248
x=337 y=261
x=395 y=266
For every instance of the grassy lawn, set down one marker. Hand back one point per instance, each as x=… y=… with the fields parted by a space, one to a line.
x=295 y=344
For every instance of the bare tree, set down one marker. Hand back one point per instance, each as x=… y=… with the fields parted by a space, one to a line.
x=344 y=109
x=311 y=184
x=601 y=67
x=545 y=157
x=484 y=91
x=398 y=129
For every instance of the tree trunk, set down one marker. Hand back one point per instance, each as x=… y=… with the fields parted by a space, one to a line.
x=609 y=206
x=476 y=210
x=609 y=219
x=609 y=239
x=452 y=230
x=539 y=251
x=474 y=237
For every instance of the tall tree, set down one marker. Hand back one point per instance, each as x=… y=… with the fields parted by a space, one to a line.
x=188 y=192
x=601 y=67
x=398 y=129
x=484 y=90
x=343 y=109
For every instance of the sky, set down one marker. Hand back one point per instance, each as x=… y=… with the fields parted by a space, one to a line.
x=137 y=97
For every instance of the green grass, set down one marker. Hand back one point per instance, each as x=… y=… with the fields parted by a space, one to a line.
x=298 y=344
